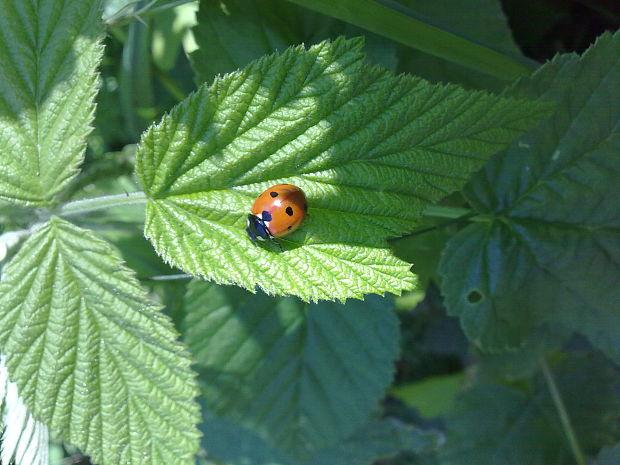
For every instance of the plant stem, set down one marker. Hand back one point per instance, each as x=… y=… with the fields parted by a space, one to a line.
x=168 y=277
x=80 y=207
x=169 y=84
x=563 y=414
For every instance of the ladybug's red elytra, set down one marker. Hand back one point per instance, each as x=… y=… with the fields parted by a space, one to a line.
x=277 y=212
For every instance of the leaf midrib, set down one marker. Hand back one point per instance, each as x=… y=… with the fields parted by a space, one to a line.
x=172 y=179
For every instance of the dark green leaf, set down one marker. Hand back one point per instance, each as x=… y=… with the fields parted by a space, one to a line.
x=232 y=33
x=496 y=424
x=482 y=21
x=550 y=250
x=609 y=455
x=302 y=376
x=405 y=26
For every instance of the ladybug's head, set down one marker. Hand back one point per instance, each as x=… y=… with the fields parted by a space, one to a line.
x=257 y=229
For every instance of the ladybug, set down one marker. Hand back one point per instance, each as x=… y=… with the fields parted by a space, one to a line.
x=277 y=212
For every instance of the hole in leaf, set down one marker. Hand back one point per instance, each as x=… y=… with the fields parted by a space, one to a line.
x=474 y=297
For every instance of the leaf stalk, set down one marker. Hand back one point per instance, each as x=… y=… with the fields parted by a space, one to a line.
x=81 y=207
x=563 y=414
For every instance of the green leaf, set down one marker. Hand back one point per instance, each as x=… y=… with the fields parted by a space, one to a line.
x=49 y=51
x=369 y=149
x=170 y=29
x=551 y=248
x=92 y=356
x=24 y=440
x=402 y=25
x=232 y=33
x=378 y=439
x=496 y=424
x=235 y=445
x=524 y=361
x=481 y=21
x=432 y=396
x=302 y=376
x=609 y=456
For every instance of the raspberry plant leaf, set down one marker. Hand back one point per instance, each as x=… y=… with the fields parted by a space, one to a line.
x=499 y=424
x=369 y=149
x=49 y=51
x=93 y=357
x=550 y=250
x=231 y=34
x=378 y=439
x=609 y=455
x=302 y=376
x=482 y=21
x=25 y=441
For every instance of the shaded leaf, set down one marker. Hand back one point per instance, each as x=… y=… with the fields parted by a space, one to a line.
x=378 y=439
x=496 y=424
x=226 y=441
x=482 y=21
x=609 y=455
x=232 y=33
x=302 y=376
x=403 y=25
x=551 y=248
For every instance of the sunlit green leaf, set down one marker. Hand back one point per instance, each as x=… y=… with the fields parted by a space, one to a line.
x=25 y=441
x=92 y=356
x=370 y=150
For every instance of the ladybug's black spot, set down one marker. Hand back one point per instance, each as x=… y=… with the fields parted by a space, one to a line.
x=266 y=216
x=305 y=207
x=289 y=211
x=273 y=194
x=289 y=228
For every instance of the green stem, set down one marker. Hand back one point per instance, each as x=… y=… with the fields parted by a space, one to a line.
x=445 y=212
x=563 y=414
x=81 y=207
x=168 y=277
x=469 y=215
x=170 y=84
